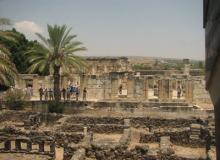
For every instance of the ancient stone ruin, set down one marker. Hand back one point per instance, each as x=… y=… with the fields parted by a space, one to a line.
x=128 y=115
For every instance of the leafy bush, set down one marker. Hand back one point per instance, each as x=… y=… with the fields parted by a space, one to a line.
x=55 y=107
x=141 y=67
x=15 y=99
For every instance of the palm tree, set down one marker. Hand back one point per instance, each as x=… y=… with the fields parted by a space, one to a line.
x=7 y=68
x=56 y=53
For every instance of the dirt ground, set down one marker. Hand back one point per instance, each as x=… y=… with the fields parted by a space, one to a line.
x=106 y=137
x=20 y=156
x=187 y=151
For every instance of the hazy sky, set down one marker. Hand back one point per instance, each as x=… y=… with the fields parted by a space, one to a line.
x=159 y=28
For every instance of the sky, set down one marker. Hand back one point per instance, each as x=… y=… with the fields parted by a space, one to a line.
x=151 y=28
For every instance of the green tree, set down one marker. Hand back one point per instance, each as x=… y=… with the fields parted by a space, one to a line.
x=8 y=70
x=18 y=50
x=56 y=53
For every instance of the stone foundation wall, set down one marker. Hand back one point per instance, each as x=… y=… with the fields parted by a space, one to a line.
x=73 y=107
x=20 y=116
x=96 y=120
x=96 y=128
x=177 y=137
x=153 y=122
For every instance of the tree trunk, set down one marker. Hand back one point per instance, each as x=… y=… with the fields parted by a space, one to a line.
x=56 y=88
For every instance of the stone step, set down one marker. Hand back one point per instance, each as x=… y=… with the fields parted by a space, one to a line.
x=194 y=137
x=195 y=133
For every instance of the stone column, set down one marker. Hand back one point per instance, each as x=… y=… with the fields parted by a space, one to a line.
x=29 y=146
x=164 y=89
x=7 y=145
x=35 y=86
x=130 y=87
x=85 y=131
x=160 y=89
x=41 y=146
x=139 y=88
x=114 y=90
x=170 y=90
x=17 y=144
x=146 y=88
x=189 y=90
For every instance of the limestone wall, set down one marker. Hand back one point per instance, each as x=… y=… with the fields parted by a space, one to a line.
x=134 y=87
x=200 y=95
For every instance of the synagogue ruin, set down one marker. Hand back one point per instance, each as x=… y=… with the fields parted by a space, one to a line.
x=128 y=114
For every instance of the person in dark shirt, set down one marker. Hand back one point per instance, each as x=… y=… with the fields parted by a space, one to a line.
x=179 y=92
x=45 y=94
x=68 y=93
x=64 y=93
x=50 y=94
x=120 y=89
x=77 y=93
x=41 y=93
x=84 y=94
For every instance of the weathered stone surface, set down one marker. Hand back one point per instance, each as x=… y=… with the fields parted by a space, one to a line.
x=166 y=146
x=79 y=154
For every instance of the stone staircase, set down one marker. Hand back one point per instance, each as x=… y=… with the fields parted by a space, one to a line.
x=195 y=132
x=166 y=146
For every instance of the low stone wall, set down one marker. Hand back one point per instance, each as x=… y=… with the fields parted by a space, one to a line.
x=96 y=128
x=181 y=137
x=62 y=138
x=59 y=137
x=135 y=121
x=73 y=107
x=18 y=116
x=40 y=141
x=96 y=120
x=158 y=122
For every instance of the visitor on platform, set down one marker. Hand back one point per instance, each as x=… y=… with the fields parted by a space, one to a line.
x=68 y=93
x=45 y=94
x=41 y=93
x=29 y=92
x=84 y=94
x=120 y=89
x=50 y=94
x=178 y=92
x=64 y=93
x=72 y=88
x=77 y=93
x=25 y=93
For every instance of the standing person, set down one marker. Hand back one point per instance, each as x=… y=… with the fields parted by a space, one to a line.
x=45 y=94
x=50 y=94
x=178 y=92
x=25 y=92
x=84 y=94
x=120 y=89
x=30 y=92
x=77 y=93
x=64 y=93
x=68 y=93
x=41 y=93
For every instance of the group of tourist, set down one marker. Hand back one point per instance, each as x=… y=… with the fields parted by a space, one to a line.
x=71 y=92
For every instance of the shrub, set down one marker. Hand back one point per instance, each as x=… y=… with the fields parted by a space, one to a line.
x=15 y=99
x=55 y=107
